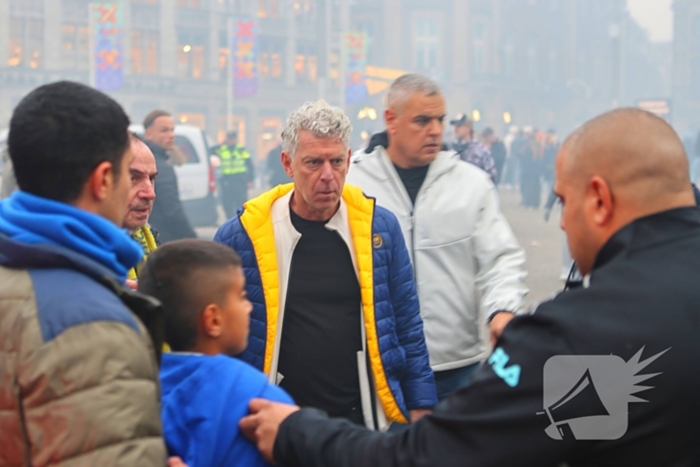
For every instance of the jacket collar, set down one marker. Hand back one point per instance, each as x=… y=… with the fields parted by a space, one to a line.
x=379 y=165
x=257 y=211
x=648 y=231
x=157 y=151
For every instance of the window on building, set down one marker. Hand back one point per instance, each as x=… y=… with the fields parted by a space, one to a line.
x=191 y=58
x=426 y=42
x=16 y=52
x=479 y=46
x=532 y=57
x=268 y=8
x=144 y=52
x=508 y=53
x=305 y=9
x=270 y=61
x=554 y=65
x=26 y=44
x=75 y=46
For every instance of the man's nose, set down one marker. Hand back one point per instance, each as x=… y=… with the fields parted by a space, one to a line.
x=435 y=127
x=148 y=192
x=327 y=171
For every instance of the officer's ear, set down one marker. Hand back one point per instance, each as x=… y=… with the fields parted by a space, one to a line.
x=286 y=160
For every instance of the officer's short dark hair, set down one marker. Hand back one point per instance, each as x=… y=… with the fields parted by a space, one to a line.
x=59 y=134
x=187 y=276
x=232 y=135
x=153 y=116
x=488 y=131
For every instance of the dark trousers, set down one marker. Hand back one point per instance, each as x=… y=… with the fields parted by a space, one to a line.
x=234 y=192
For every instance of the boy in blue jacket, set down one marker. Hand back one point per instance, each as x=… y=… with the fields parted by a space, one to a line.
x=205 y=392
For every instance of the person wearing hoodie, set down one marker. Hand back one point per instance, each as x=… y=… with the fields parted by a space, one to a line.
x=205 y=390
x=78 y=372
x=468 y=264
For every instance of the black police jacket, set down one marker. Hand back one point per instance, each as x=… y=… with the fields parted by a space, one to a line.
x=568 y=383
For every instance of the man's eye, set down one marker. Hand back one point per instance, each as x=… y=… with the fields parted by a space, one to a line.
x=422 y=121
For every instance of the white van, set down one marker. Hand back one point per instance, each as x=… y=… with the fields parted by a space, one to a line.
x=196 y=178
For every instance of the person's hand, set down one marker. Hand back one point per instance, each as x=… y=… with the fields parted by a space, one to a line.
x=133 y=285
x=417 y=414
x=264 y=421
x=175 y=462
x=498 y=324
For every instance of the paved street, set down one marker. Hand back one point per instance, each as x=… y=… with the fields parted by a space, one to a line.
x=542 y=242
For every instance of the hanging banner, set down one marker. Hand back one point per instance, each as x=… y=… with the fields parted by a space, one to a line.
x=355 y=67
x=106 y=46
x=243 y=72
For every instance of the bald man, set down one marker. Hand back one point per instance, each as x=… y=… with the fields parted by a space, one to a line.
x=603 y=375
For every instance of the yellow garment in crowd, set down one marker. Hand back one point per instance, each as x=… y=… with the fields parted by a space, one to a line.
x=147 y=241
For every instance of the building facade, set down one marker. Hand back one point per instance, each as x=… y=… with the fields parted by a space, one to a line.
x=686 y=65
x=547 y=63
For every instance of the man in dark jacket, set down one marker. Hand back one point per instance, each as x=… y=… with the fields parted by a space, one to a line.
x=600 y=375
x=168 y=215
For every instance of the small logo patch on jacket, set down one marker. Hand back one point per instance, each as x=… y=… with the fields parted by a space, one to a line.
x=377 y=241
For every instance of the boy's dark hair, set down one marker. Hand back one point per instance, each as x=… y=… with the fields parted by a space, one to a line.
x=488 y=131
x=152 y=116
x=186 y=276
x=59 y=134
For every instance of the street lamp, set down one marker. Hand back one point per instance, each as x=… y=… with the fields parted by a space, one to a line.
x=507 y=118
x=476 y=115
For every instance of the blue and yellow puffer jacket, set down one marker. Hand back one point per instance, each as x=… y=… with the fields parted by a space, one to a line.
x=395 y=342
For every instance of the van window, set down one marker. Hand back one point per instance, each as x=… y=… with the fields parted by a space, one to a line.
x=184 y=145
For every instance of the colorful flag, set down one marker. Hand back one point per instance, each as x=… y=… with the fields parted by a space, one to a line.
x=355 y=67
x=243 y=39
x=106 y=46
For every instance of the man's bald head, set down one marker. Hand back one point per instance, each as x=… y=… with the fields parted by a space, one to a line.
x=629 y=148
x=618 y=167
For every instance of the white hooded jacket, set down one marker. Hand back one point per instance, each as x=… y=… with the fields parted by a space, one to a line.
x=467 y=261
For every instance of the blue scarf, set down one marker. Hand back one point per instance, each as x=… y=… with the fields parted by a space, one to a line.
x=32 y=220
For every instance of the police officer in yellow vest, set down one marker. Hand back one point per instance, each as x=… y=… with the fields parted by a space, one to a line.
x=236 y=171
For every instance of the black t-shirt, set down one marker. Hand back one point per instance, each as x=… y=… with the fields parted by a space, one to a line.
x=321 y=330
x=412 y=179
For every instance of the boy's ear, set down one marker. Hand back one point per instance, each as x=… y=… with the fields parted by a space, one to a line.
x=211 y=321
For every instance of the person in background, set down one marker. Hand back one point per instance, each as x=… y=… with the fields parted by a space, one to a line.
x=511 y=171
x=237 y=173
x=469 y=148
x=551 y=148
x=336 y=319
x=205 y=392
x=275 y=167
x=497 y=150
x=469 y=266
x=168 y=215
x=79 y=378
x=530 y=153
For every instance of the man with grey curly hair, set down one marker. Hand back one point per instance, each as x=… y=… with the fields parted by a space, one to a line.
x=335 y=321
x=319 y=118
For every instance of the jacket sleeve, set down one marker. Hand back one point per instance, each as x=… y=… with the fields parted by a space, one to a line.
x=418 y=382
x=500 y=260
x=488 y=423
